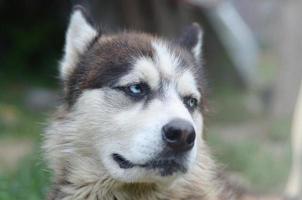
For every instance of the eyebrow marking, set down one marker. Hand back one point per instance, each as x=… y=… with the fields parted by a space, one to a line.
x=143 y=70
x=186 y=85
x=165 y=60
x=146 y=67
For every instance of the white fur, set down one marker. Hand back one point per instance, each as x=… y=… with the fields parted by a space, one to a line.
x=166 y=61
x=104 y=121
x=196 y=50
x=140 y=138
x=143 y=70
x=78 y=36
x=187 y=85
x=134 y=132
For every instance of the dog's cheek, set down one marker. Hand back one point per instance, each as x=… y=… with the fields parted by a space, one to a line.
x=109 y=117
x=94 y=113
x=139 y=130
x=116 y=100
x=198 y=124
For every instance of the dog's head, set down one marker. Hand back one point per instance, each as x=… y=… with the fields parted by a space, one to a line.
x=136 y=98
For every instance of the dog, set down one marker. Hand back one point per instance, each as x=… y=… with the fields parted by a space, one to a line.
x=131 y=124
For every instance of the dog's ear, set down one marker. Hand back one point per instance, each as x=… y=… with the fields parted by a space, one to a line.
x=80 y=33
x=191 y=39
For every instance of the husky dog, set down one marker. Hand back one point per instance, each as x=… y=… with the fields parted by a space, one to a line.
x=132 y=120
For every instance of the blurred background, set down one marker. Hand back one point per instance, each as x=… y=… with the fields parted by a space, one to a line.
x=252 y=53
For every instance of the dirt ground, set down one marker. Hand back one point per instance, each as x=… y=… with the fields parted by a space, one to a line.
x=12 y=151
x=262 y=198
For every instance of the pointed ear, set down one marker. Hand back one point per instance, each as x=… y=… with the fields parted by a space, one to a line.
x=79 y=34
x=191 y=39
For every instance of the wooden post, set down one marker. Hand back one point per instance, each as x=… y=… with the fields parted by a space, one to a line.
x=289 y=46
x=294 y=185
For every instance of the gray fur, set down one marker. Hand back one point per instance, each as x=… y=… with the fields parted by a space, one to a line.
x=98 y=120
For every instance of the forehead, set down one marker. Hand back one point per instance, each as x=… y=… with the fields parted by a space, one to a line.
x=110 y=58
x=165 y=68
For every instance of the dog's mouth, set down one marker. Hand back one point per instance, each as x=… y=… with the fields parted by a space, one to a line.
x=122 y=162
x=166 y=166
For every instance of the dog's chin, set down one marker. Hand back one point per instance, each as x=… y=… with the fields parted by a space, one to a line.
x=160 y=170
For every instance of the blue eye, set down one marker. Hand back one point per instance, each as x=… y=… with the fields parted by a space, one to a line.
x=190 y=102
x=136 y=90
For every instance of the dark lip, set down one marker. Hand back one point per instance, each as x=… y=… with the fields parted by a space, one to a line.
x=122 y=162
x=166 y=166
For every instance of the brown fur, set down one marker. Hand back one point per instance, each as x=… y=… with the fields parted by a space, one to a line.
x=97 y=66
x=79 y=172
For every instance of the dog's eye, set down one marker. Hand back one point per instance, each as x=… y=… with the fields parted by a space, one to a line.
x=190 y=102
x=136 y=90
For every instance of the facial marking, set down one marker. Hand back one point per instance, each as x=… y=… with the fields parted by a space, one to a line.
x=186 y=85
x=143 y=71
x=134 y=130
x=105 y=62
x=165 y=60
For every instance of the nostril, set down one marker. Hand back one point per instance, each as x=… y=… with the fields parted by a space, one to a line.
x=172 y=135
x=191 y=138
x=179 y=135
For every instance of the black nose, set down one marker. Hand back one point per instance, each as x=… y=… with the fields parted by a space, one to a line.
x=179 y=135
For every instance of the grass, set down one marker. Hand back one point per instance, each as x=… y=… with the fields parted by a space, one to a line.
x=229 y=106
x=263 y=158
x=265 y=169
x=15 y=119
x=30 y=181
x=19 y=123
x=280 y=130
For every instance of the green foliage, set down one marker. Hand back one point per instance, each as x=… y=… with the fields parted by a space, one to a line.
x=27 y=61
x=229 y=106
x=30 y=181
x=261 y=157
x=280 y=130
x=31 y=37
x=260 y=161
x=16 y=120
